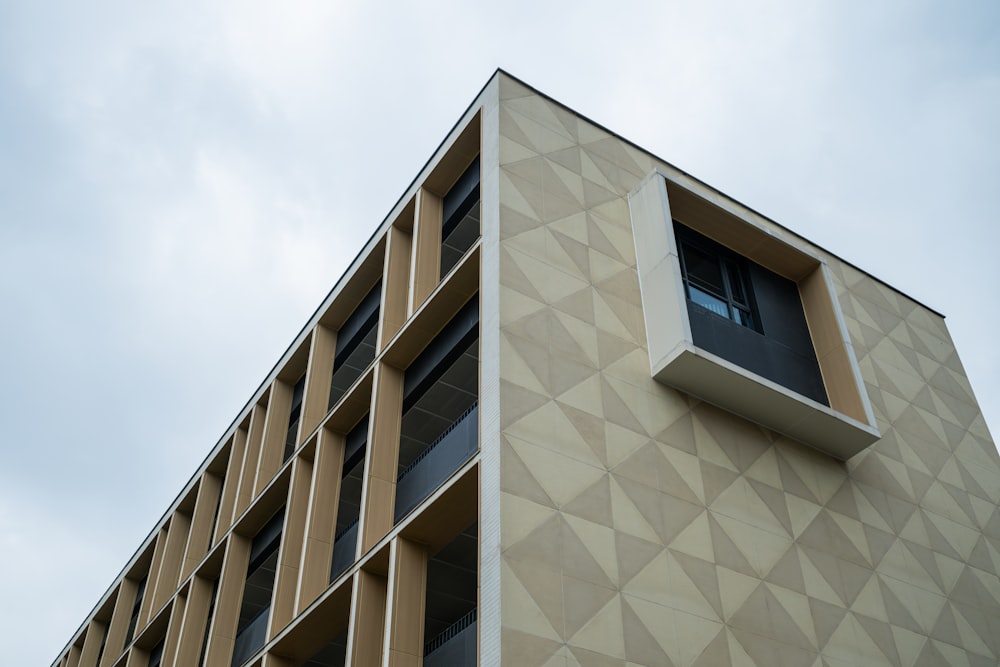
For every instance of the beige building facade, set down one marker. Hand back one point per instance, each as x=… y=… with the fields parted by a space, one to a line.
x=571 y=407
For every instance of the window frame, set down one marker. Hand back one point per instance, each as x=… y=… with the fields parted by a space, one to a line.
x=841 y=429
x=728 y=262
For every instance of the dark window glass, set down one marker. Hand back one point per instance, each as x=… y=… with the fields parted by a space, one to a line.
x=355 y=345
x=716 y=279
x=104 y=642
x=333 y=654
x=450 y=607
x=440 y=426
x=293 y=417
x=137 y=605
x=252 y=627
x=208 y=623
x=704 y=269
x=218 y=509
x=156 y=655
x=349 y=505
x=747 y=314
x=460 y=219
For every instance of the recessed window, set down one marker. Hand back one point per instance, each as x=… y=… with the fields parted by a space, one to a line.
x=460 y=220
x=747 y=314
x=136 y=606
x=156 y=654
x=439 y=430
x=251 y=629
x=293 y=418
x=349 y=506
x=716 y=279
x=355 y=345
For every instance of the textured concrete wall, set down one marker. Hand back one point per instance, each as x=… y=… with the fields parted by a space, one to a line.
x=643 y=527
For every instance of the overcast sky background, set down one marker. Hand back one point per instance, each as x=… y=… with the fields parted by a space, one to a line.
x=181 y=184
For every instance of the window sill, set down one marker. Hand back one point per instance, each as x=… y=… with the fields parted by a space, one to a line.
x=711 y=378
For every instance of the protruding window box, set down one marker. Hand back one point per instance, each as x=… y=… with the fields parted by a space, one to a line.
x=842 y=428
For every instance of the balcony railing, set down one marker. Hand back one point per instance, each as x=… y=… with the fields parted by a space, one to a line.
x=455 y=647
x=250 y=638
x=436 y=463
x=344 y=546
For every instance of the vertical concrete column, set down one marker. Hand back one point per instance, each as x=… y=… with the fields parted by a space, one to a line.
x=405 y=604
x=228 y=601
x=193 y=623
x=200 y=534
x=321 y=518
x=488 y=615
x=426 y=263
x=379 y=495
x=277 y=661
x=92 y=643
x=251 y=457
x=275 y=431
x=146 y=609
x=395 y=283
x=170 y=564
x=231 y=484
x=137 y=657
x=364 y=643
x=72 y=658
x=119 y=622
x=322 y=347
x=290 y=554
x=174 y=626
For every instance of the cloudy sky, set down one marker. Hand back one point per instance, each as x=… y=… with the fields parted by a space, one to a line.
x=181 y=183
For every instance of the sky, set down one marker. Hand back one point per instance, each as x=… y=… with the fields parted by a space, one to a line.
x=182 y=183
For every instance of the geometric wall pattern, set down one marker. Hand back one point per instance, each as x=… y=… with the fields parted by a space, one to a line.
x=641 y=526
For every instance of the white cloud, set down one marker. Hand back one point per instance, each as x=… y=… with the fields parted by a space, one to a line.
x=286 y=52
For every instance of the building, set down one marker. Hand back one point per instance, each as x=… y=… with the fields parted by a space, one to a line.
x=571 y=406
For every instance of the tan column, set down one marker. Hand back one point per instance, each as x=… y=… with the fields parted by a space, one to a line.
x=92 y=643
x=229 y=600
x=381 y=464
x=317 y=394
x=147 y=608
x=286 y=578
x=200 y=534
x=192 y=630
x=170 y=565
x=248 y=471
x=364 y=646
x=174 y=625
x=426 y=263
x=137 y=657
x=405 y=604
x=321 y=518
x=231 y=485
x=72 y=659
x=277 y=661
x=395 y=284
x=119 y=622
x=275 y=432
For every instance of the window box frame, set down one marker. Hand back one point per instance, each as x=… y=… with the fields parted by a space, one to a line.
x=841 y=430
